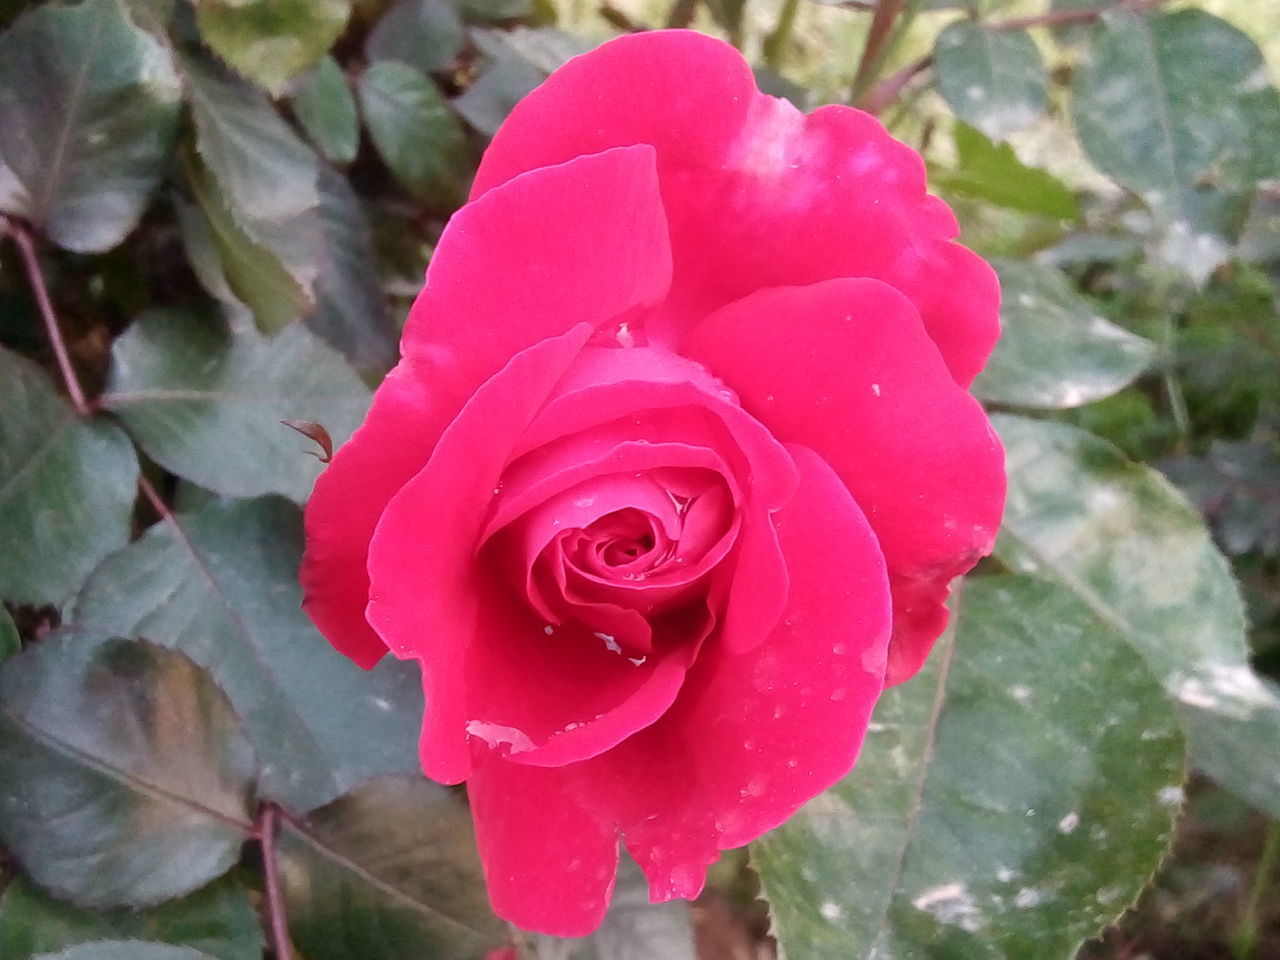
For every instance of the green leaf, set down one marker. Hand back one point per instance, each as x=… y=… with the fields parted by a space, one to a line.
x=67 y=487
x=1125 y=542
x=258 y=188
x=220 y=584
x=1055 y=349
x=488 y=101
x=218 y=919
x=426 y=34
x=633 y=929
x=270 y=41
x=126 y=774
x=326 y=109
x=992 y=172
x=206 y=403
x=1010 y=800
x=88 y=105
x=125 y=950
x=387 y=872
x=416 y=133
x=351 y=313
x=992 y=79
x=243 y=270
x=1177 y=108
x=10 y=642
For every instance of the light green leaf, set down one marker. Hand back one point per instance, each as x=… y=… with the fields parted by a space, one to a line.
x=88 y=108
x=387 y=872
x=270 y=41
x=126 y=774
x=1123 y=540
x=325 y=107
x=125 y=950
x=206 y=403
x=426 y=34
x=1010 y=800
x=992 y=172
x=1177 y=108
x=488 y=101
x=274 y=279
x=416 y=133
x=1055 y=349
x=67 y=487
x=218 y=919
x=992 y=79
x=221 y=585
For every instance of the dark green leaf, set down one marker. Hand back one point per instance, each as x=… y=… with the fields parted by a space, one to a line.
x=326 y=109
x=207 y=404
x=67 y=487
x=270 y=41
x=221 y=585
x=218 y=919
x=543 y=48
x=427 y=34
x=126 y=774
x=633 y=929
x=1178 y=109
x=387 y=872
x=992 y=79
x=494 y=11
x=125 y=950
x=1125 y=542
x=1055 y=349
x=10 y=642
x=416 y=132
x=351 y=313
x=205 y=250
x=992 y=172
x=88 y=106
x=1010 y=800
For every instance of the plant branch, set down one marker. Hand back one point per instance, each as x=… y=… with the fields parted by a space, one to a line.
x=878 y=97
x=268 y=821
x=31 y=264
x=882 y=24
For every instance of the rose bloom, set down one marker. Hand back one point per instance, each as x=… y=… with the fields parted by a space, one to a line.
x=673 y=474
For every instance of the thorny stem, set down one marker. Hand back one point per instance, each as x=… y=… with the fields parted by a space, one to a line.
x=890 y=88
x=31 y=264
x=268 y=820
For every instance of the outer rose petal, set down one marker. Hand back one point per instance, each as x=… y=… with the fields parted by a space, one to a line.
x=752 y=736
x=845 y=367
x=424 y=590
x=584 y=241
x=758 y=193
x=549 y=858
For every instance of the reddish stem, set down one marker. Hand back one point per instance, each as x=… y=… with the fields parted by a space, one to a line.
x=31 y=263
x=882 y=21
x=888 y=89
x=268 y=820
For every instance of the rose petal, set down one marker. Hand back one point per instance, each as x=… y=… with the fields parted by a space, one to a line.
x=424 y=589
x=752 y=736
x=758 y=193
x=845 y=367
x=583 y=241
x=549 y=860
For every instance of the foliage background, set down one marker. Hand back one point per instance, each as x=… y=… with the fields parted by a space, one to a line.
x=216 y=214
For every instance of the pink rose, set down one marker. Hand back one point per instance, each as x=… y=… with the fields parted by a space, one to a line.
x=678 y=456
